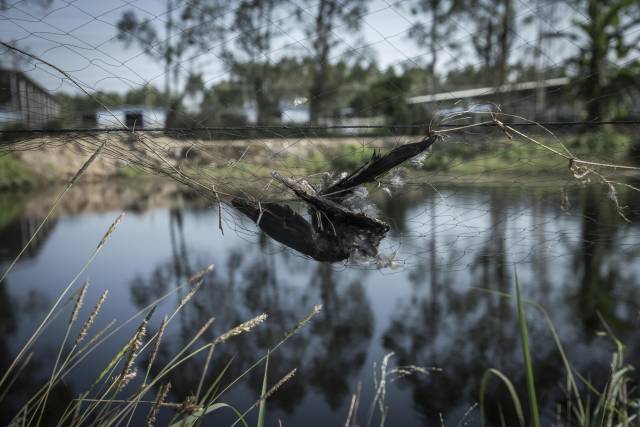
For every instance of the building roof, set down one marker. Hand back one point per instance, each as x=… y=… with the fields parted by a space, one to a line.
x=44 y=91
x=130 y=108
x=485 y=91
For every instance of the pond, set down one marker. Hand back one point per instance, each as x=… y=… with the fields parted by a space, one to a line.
x=456 y=246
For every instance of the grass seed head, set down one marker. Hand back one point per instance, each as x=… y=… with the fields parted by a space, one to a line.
x=242 y=328
x=161 y=397
x=92 y=317
x=110 y=231
x=79 y=301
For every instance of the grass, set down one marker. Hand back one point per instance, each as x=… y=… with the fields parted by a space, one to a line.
x=15 y=174
x=129 y=172
x=494 y=155
x=110 y=400
x=526 y=354
x=503 y=156
x=615 y=404
x=483 y=155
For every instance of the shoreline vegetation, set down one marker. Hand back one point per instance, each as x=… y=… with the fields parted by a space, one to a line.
x=473 y=157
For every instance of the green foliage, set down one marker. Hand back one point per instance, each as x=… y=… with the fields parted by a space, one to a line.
x=74 y=107
x=339 y=158
x=602 y=143
x=8 y=137
x=386 y=96
x=616 y=404
x=147 y=95
x=517 y=405
x=503 y=155
x=14 y=173
x=608 y=29
x=129 y=171
x=320 y=27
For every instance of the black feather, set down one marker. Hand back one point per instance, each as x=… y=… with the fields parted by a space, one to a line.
x=376 y=167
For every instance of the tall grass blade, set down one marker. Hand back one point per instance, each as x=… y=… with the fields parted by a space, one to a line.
x=512 y=391
x=524 y=336
x=193 y=418
x=580 y=410
x=263 y=395
x=59 y=300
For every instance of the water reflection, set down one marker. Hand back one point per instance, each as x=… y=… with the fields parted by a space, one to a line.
x=430 y=313
x=329 y=355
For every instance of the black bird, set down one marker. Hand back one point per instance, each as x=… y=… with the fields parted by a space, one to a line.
x=335 y=232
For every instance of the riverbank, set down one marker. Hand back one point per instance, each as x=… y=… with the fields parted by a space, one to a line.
x=48 y=161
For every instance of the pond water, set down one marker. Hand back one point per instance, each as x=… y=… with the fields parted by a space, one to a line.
x=572 y=252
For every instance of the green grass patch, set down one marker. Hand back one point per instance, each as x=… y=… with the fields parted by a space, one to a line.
x=14 y=173
x=338 y=158
x=502 y=156
x=130 y=171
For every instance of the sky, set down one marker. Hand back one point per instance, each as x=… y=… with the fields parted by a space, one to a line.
x=79 y=36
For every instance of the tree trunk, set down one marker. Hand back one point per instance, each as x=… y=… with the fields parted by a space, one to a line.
x=262 y=115
x=598 y=55
x=434 y=46
x=167 y=50
x=504 y=43
x=172 y=112
x=318 y=89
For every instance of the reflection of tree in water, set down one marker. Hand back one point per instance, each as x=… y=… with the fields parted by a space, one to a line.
x=7 y=326
x=16 y=233
x=445 y=324
x=343 y=333
x=7 y=329
x=38 y=368
x=602 y=252
x=328 y=353
x=395 y=209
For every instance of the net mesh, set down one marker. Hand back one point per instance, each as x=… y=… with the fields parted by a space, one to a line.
x=488 y=137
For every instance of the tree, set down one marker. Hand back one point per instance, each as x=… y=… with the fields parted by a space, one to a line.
x=495 y=23
x=44 y=4
x=12 y=59
x=320 y=28
x=200 y=26
x=254 y=20
x=74 y=107
x=542 y=15
x=608 y=33
x=147 y=95
x=386 y=96
x=279 y=87
x=435 y=34
x=222 y=104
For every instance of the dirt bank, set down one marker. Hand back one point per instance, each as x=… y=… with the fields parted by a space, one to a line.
x=50 y=159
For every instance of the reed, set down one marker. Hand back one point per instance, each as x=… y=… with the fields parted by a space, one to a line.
x=615 y=405
x=109 y=400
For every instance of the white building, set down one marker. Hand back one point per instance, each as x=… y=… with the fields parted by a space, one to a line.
x=132 y=116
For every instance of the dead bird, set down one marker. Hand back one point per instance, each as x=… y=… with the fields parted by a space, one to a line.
x=335 y=232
